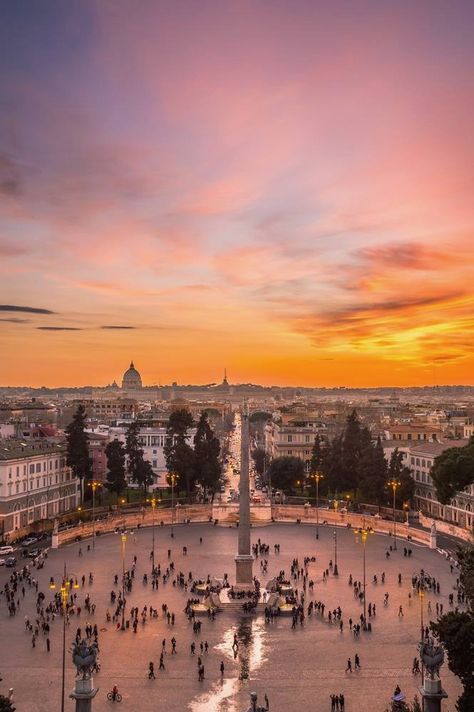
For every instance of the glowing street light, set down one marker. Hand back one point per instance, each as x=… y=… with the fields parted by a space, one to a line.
x=66 y=585
x=94 y=485
x=394 y=484
x=153 y=501
x=317 y=476
x=364 y=532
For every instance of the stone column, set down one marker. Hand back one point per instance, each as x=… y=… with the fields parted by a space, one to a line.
x=84 y=693
x=432 y=694
x=244 y=558
x=433 y=536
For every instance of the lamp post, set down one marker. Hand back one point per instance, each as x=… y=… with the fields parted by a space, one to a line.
x=394 y=484
x=363 y=532
x=94 y=485
x=335 y=571
x=317 y=476
x=123 y=538
x=406 y=507
x=173 y=479
x=153 y=502
x=64 y=592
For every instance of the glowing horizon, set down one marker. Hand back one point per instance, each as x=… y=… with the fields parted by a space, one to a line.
x=281 y=188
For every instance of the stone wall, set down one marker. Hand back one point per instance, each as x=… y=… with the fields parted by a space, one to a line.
x=446 y=528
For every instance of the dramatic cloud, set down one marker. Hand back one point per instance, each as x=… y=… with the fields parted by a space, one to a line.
x=290 y=191
x=27 y=310
x=16 y=321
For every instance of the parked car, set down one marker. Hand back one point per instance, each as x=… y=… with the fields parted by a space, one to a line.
x=10 y=562
x=4 y=550
x=33 y=553
x=30 y=540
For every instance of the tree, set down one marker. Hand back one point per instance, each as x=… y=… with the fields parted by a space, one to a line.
x=285 y=471
x=115 y=453
x=144 y=473
x=351 y=451
x=6 y=705
x=453 y=471
x=398 y=471
x=372 y=481
x=259 y=457
x=206 y=455
x=316 y=454
x=456 y=631
x=332 y=464
x=77 y=457
x=178 y=453
x=133 y=450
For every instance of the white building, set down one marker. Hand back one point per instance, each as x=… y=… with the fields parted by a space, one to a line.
x=420 y=461
x=35 y=483
x=152 y=441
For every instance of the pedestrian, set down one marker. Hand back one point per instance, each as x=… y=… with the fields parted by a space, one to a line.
x=341 y=702
x=349 y=665
x=162 y=662
x=151 y=671
x=222 y=668
x=48 y=645
x=356 y=662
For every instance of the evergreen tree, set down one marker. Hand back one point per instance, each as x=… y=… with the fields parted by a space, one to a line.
x=206 y=455
x=77 y=457
x=398 y=471
x=115 y=453
x=453 y=471
x=285 y=471
x=6 y=705
x=351 y=451
x=178 y=453
x=456 y=631
x=373 y=468
x=133 y=450
x=316 y=454
x=259 y=457
x=332 y=464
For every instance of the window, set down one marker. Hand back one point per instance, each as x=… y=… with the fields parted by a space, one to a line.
x=417 y=461
x=290 y=438
x=306 y=438
x=32 y=469
x=17 y=471
x=155 y=463
x=38 y=467
x=290 y=452
x=154 y=452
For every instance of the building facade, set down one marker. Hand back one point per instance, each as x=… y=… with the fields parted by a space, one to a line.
x=35 y=484
x=420 y=460
x=290 y=440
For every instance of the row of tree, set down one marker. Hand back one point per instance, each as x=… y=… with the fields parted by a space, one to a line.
x=352 y=462
x=192 y=465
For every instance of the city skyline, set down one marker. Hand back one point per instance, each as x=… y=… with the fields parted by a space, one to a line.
x=285 y=190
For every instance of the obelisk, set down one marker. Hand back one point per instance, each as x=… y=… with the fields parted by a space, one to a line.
x=244 y=558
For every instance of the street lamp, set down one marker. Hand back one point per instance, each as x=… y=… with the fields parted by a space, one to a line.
x=335 y=571
x=394 y=484
x=173 y=479
x=363 y=532
x=406 y=507
x=317 y=476
x=94 y=485
x=153 y=502
x=123 y=538
x=64 y=591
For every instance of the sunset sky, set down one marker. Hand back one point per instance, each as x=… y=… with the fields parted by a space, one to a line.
x=282 y=188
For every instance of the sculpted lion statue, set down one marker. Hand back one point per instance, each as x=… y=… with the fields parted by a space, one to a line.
x=84 y=657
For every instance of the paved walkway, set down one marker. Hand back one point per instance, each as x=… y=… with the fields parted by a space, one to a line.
x=298 y=669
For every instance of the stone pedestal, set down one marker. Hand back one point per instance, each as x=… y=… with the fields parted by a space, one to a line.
x=432 y=694
x=243 y=571
x=433 y=537
x=55 y=541
x=84 y=693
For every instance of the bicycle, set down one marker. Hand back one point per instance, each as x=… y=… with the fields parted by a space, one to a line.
x=114 y=696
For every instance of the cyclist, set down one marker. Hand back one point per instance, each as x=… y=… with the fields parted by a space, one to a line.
x=114 y=693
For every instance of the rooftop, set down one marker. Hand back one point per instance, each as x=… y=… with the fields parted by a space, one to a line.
x=12 y=449
x=436 y=448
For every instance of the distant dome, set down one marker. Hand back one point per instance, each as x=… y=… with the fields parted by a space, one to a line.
x=131 y=378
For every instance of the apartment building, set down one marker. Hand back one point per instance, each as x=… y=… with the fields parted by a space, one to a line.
x=420 y=461
x=35 y=483
x=291 y=439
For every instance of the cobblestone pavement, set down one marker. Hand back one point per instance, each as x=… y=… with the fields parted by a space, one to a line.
x=298 y=669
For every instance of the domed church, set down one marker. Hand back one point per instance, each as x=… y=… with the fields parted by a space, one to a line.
x=131 y=380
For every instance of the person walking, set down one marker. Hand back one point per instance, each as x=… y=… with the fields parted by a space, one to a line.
x=356 y=662
x=162 y=662
x=151 y=671
x=222 y=668
x=341 y=702
x=349 y=665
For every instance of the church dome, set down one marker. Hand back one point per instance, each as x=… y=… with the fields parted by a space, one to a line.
x=131 y=378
